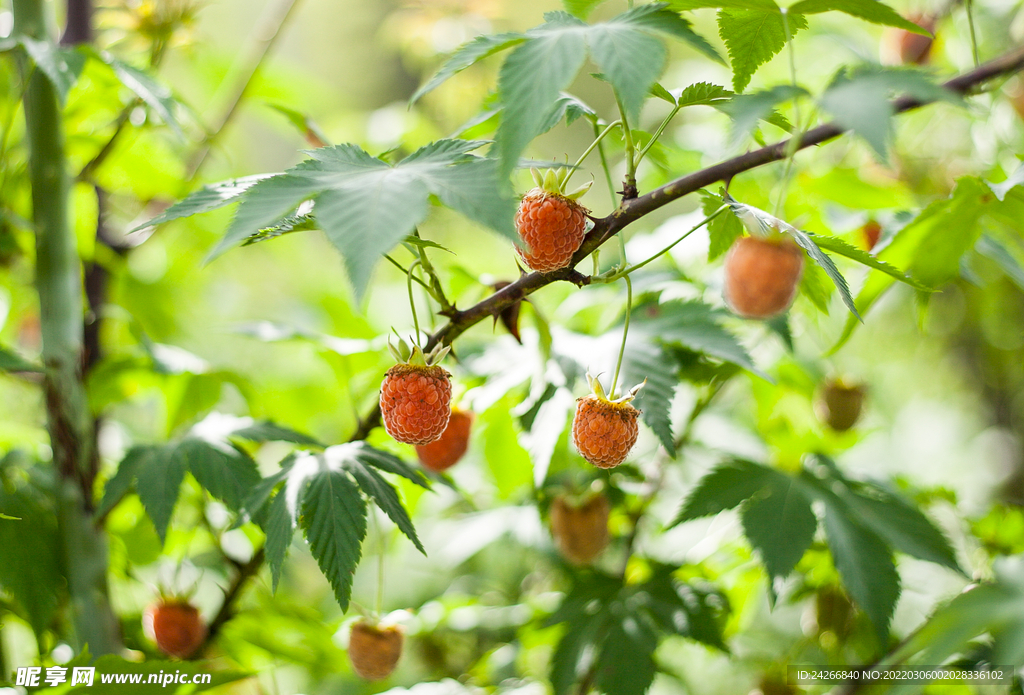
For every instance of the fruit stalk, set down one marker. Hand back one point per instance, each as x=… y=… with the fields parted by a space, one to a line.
x=625 y=333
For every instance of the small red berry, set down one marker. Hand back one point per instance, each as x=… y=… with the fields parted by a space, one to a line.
x=761 y=276
x=415 y=402
x=442 y=454
x=580 y=530
x=175 y=626
x=374 y=650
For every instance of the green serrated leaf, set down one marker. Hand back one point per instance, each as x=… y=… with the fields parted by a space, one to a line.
x=657 y=17
x=389 y=463
x=779 y=522
x=860 y=100
x=747 y=109
x=901 y=525
x=530 y=81
x=294 y=222
x=753 y=37
x=264 y=204
x=224 y=472
x=334 y=520
x=207 y=198
x=385 y=496
x=279 y=527
x=476 y=50
x=695 y=326
x=158 y=482
x=816 y=286
x=723 y=488
x=723 y=230
x=863 y=257
x=267 y=431
x=871 y=10
x=865 y=564
x=702 y=94
x=645 y=359
x=631 y=60
x=12 y=362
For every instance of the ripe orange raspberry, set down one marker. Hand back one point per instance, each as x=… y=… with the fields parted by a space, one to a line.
x=416 y=395
x=580 y=529
x=550 y=223
x=604 y=431
x=175 y=626
x=374 y=650
x=761 y=275
x=442 y=454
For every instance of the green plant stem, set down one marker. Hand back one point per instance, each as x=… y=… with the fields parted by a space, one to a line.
x=627 y=138
x=435 y=290
x=59 y=286
x=607 y=170
x=412 y=301
x=797 y=130
x=615 y=275
x=404 y=271
x=969 y=7
x=586 y=153
x=625 y=333
x=657 y=134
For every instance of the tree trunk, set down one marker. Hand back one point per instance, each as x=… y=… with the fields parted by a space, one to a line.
x=58 y=282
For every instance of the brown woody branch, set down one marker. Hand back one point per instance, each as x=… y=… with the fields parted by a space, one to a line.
x=632 y=209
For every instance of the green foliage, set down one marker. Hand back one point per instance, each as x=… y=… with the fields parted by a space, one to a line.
x=753 y=37
x=613 y=628
x=12 y=362
x=863 y=522
x=323 y=493
x=859 y=100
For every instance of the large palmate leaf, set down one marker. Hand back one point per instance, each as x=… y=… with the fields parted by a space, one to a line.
x=627 y=49
x=754 y=36
x=468 y=54
x=864 y=524
x=325 y=494
x=860 y=100
x=364 y=205
x=207 y=198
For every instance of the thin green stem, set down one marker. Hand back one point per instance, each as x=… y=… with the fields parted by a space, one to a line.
x=622 y=250
x=412 y=302
x=435 y=290
x=404 y=271
x=969 y=6
x=586 y=153
x=607 y=170
x=625 y=333
x=657 y=134
x=627 y=138
x=794 y=142
x=612 y=277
